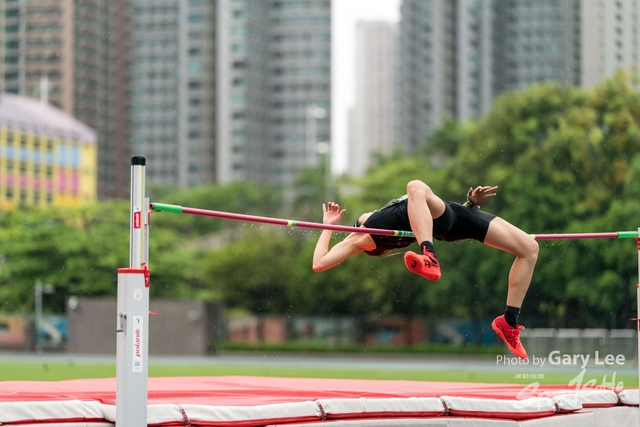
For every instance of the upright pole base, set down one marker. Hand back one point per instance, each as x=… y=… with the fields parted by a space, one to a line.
x=132 y=347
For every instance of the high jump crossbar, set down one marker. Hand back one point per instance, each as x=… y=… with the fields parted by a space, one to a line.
x=163 y=207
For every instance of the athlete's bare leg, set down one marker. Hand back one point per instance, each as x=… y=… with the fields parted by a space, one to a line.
x=505 y=236
x=423 y=206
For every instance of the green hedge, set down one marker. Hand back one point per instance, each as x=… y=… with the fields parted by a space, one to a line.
x=326 y=348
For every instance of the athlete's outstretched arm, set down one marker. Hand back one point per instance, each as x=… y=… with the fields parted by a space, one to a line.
x=325 y=258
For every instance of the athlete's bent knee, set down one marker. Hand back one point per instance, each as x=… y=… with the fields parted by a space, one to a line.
x=530 y=249
x=417 y=188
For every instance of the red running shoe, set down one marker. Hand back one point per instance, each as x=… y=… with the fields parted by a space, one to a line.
x=425 y=265
x=510 y=335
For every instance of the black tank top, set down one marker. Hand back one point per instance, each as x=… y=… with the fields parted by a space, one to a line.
x=393 y=216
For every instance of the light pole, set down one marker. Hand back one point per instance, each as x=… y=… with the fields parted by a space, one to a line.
x=324 y=148
x=313 y=114
x=40 y=288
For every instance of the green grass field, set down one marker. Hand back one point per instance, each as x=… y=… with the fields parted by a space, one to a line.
x=41 y=371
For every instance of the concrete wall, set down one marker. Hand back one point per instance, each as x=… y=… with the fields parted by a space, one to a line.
x=180 y=328
x=258 y=330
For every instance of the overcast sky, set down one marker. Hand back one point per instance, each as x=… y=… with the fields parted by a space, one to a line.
x=345 y=14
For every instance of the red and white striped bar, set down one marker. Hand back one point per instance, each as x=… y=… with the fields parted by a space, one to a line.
x=162 y=207
x=577 y=236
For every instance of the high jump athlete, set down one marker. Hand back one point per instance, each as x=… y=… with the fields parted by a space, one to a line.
x=428 y=217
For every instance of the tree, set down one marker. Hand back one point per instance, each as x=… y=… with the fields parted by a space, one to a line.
x=78 y=250
x=561 y=157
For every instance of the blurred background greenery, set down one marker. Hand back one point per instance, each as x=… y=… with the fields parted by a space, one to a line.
x=565 y=160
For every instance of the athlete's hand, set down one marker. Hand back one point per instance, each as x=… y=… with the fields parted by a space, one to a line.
x=478 y=195
x=332 y=213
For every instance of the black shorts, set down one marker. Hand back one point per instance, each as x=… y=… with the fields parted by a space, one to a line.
x=460 y=223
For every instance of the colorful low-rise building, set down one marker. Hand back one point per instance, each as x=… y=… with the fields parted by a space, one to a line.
x=47 y=157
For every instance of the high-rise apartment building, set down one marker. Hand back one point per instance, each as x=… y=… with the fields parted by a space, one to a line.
x=426 y=80
x=46 y=156
x=474 y=59
x=504 y=45
x=609 y=39
x=174 y=89
x=456 y=56
x=274 y=86
x=75 y=53
x=536 y=41
x=371 y=123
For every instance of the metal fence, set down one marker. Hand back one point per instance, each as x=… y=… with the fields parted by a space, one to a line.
x=541 y=342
